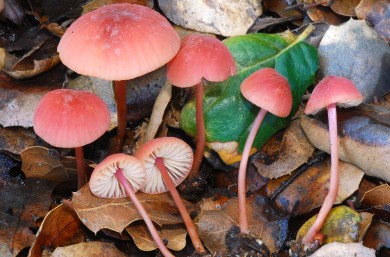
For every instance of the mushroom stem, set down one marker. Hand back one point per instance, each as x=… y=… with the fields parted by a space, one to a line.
x=130 y=192
x=81 y=174
x=192 y=231
x=244 y=227
x=120 y=97
x=334 y=177
x=200 y=131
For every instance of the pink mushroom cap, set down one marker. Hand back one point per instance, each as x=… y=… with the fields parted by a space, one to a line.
x=269 y=90
x=70 y=118
x=333 y=89
x=177 y=156
x=200 y=56
x=118 y=42
x=103 y=182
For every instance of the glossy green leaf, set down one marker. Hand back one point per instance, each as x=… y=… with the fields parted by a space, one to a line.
x=228 y=115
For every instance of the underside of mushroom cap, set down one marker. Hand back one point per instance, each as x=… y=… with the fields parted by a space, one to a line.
x=104 y=183
x=177 y=156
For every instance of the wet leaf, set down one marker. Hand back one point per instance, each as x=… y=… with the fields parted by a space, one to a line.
x=16 y=139
x=363 y=142
x=341 y=225
x=40 y=162
x=115 y=214
x=355 y=38
x=378 y=197
x=225 y=18
x=94 y=4
x=59 y=228
x=214 y=224
x=293 y=151
x=89 y=249
x=344 y=7
x=311 y=187
x=344 y=250
x=378 y=235
x=174 y=235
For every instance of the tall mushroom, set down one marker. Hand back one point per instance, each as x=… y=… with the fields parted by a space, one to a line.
x=71 y=119
x=199 y=57
x=121 y=175
x=270 y=91
x=119 y=42
x=330 y=91
x=168 y=161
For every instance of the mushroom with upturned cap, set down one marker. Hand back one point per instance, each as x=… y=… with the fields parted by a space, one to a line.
x=329 y=92
x=121 y=175
x=168 y=161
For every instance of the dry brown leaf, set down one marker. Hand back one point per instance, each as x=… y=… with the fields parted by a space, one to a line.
x=175 y=235
x=116 y=214
x=279 y=7
x=214 y=224
x=16 y=139
x=377 y=197
x=58 y=228
x=40 y=162
x=89 y=249
x=295 y=149
x=94 y=4
x=344 y=250
x=344 y=7
x=311 y=187
x=378 y=235
x=364 y=224
x=213 y=204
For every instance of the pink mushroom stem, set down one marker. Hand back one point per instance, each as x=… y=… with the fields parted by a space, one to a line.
x=192 y=231
x=200 y=131
x=334 y=177
x=81 y=174
x=243 y=214
x=120 y=97
x=130 y=192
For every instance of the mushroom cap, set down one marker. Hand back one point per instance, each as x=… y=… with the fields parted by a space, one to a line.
x=333 y=89
x=269 y=90
x=104 y=183
x=70 y=118
x=200 y=56
x=177 y=156
x=118 y=42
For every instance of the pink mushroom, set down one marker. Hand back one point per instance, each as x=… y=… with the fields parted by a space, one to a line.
x=71 y=119
x=330 y=91
x=199 y=57
x=119 y=42
x=270 y=91
x=121 y=175
x=168 y=161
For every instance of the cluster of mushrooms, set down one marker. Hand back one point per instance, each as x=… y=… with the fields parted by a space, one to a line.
x=119 y=42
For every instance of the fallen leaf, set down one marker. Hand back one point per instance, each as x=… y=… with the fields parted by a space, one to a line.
x=174 y=235
x=16 y=139
x=344 y=7
x=337 y=249
x=341 y=225
x=89 y=249
x=369 y=69
x=363 y=142
x=322 y=14
x=213 y=225
x=226 y=18
x=294 y=150
x=378 y=235
x=377 y=197
x=116 y=214
x=281 y=7
x=59 y=228
x=364 y=224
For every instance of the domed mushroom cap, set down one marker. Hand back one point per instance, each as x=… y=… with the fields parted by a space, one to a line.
x=269 y=90
x=177 y=156
x=118 y=42
x=200 y=56
x=103 y=182
x=70 y=118
x=333 y=89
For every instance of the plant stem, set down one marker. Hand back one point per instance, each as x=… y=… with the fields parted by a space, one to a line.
x=120 y=97
x=81 y=174
x=130 y=192
x=334 y=177
x=243 y=214
x=192 y=231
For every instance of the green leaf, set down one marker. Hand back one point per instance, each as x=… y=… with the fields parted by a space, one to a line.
x=228 y=115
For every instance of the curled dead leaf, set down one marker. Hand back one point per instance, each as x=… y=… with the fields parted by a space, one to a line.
x=378 y=196
x=89 y=249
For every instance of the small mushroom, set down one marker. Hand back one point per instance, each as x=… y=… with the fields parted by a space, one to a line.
x=121 y=175
x=168 y=161
x=270 y=91
x=71 y=119
x=199 y=57
x=330 y=91
x=119 y=42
